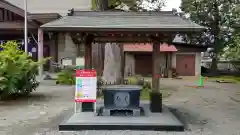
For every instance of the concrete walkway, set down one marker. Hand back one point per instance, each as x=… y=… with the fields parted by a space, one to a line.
x=213 y=110
x=38 y=112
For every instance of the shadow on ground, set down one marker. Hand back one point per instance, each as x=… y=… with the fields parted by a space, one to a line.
x=33 y=97
x=188 y=118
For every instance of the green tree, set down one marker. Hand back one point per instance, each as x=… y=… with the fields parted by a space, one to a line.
x=219 y=17
x=232 y=52
x=110 y=4
x=133 y=5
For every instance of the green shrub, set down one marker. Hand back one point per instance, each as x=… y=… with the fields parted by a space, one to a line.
x=145 y=94
x=17 y=71
x=139 y=81
x=132 y=81
x=66 y=76
x=147 y=85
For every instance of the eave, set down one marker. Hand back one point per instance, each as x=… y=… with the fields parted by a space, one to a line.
x=36 y=16
x=8 y=6
x=14 y=26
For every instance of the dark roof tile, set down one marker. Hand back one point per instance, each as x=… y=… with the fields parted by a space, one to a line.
x=124 y=20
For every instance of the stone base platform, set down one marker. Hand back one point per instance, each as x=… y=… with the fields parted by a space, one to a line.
x=164 y=121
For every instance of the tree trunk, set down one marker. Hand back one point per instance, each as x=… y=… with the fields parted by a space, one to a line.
x=214 y=66
x=103 y=5
x=217 y=41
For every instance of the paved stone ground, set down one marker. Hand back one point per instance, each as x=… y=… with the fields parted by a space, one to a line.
x=213 y=110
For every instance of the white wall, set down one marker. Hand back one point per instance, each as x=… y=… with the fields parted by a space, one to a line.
x=197 y=61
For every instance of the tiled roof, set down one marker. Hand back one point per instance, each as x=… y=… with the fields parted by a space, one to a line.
x=156 y=21
x=148 y=48
x=52 y=6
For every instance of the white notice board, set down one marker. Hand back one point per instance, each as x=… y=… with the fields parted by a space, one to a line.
x=86 y=86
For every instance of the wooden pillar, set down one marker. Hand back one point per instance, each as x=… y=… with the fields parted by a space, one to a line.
x=40 y=50
x=87 y=56
x=156 y=66
x=88 y=52
x=53 y=51
x=155 y=95
x=5 y=11
x=88 y=106
x=170 y=65
x=122 y=64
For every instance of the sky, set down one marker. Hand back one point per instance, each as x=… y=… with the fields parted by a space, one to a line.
x=171 y=4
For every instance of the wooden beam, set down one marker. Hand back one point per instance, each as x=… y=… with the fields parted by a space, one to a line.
x=12 y=8
x=122 y=39
x=133 y=37
x=43 y=16
x=8 y=6
x=15 y=25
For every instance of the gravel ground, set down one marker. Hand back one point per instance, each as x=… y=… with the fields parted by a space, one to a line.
x=213 y=110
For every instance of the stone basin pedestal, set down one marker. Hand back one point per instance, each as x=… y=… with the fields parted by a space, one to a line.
x=121 y=100
x=122 y=110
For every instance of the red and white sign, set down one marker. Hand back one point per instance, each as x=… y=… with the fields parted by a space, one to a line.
x=86 y=86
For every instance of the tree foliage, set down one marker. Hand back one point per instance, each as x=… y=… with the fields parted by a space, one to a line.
x=17 y=71
x=151 y=5
x=232 y=52
x=219 y=17
x=132 y=5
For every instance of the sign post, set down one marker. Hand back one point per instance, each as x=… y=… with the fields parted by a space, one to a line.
x=86 y=88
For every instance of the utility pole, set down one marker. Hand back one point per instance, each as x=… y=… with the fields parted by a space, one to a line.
x=25 y=27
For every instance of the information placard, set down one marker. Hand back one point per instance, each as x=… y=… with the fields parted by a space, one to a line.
x=86 y=85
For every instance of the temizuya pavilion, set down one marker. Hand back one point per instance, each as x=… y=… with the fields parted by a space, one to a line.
x=125 y=27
